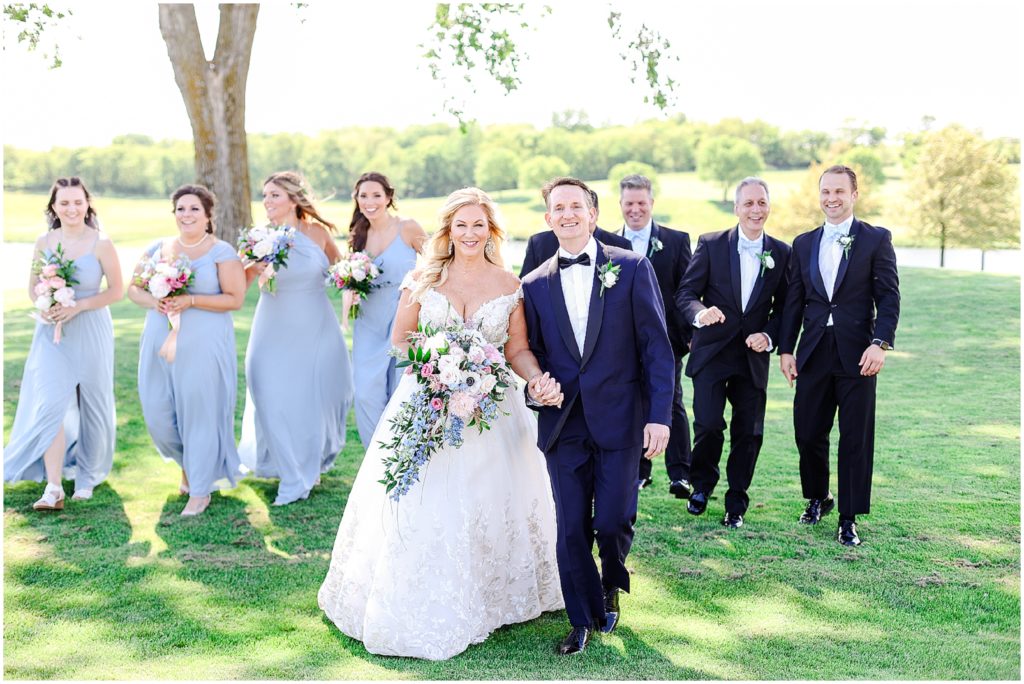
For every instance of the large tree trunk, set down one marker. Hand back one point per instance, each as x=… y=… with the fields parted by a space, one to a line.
x=214 y=95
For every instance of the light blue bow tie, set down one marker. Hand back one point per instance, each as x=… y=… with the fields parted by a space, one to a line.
x=833 y=232
x=747 y=246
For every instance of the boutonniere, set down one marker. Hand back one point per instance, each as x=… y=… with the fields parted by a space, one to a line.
x=656 y=247
x=766 y=260
x=608 y=275
x=846 y=242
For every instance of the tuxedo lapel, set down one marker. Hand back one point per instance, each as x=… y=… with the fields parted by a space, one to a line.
x=814 y=266
x=651 y=254
x=596 y=314
x=762 y=273
x=844 y=261
x=558 y=306
x=736 y=280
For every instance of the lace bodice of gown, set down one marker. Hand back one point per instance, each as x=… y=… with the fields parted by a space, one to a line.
x=491 y=319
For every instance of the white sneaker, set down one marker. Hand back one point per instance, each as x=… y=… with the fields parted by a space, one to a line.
x=52 y=499
x=82 y=495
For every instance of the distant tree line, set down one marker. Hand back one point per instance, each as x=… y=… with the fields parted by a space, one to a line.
x=431 y=160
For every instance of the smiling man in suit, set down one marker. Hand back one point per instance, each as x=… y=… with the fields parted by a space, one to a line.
x=733 y=293
x=542 y=246
x=669 y=253
x=844 y=294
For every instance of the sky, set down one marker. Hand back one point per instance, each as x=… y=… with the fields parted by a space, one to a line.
x=798 y=64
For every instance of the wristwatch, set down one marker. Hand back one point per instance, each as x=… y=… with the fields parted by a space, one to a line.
x=882 y=343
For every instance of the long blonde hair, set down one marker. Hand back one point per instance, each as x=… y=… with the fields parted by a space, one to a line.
x=439 y=250
x=295 y=185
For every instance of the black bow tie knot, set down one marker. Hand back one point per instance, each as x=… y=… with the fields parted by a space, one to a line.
x=566 y=262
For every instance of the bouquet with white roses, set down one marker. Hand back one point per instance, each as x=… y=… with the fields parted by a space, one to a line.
x=55 y=275
x=167 y=279
x=355 y=273
x=269 y=245
x=462 y=380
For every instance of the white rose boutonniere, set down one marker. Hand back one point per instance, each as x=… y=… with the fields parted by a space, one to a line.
x=656 y=247
x=766 y=260
x=608 y=275
x=846 y=242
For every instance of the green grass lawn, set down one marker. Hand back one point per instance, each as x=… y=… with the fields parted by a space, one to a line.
x=121 y=587
x=683 y=202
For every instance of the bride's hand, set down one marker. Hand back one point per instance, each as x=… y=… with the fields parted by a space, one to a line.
x=545 y=390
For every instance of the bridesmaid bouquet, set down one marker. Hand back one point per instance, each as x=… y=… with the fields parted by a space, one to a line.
x=56 y=275
x=268 y=245
x=462 y=380
x=167 y=279
x=355 y=273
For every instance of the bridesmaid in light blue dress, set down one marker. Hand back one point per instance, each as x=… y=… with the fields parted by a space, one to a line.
x=189 y=404
x=65 y=416
x=393 y=243
x=296 y=366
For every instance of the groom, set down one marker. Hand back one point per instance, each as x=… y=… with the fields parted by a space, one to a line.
x=596 y=322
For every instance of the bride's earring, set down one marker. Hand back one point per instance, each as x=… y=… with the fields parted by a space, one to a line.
x=451 y=248
x=489 y=248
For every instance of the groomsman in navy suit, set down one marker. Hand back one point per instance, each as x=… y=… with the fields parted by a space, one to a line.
x=596 y=322
x=733 y=294
x=669 y=253
x=844 y=293
x=543 y=245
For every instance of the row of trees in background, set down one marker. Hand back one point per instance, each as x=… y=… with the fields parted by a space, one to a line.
x=430 y=160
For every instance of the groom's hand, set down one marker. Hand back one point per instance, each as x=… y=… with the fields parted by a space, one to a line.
x=872 y=360
x=545 y=390
x=787 y=362
x=655 y=439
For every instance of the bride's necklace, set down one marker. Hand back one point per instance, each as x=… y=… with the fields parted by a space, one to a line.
x=194 y=244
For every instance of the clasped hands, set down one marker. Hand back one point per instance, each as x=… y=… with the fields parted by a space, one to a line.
x=58 y=313
x=176 y=304
x=758 y=342
x=545 y=390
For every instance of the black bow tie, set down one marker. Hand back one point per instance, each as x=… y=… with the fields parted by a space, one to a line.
x=582 y=259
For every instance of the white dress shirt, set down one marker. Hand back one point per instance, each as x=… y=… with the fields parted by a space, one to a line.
x=640 y=239
x=577 y=285
x=830 y=255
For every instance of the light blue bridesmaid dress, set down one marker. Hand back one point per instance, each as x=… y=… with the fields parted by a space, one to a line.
x=189 y=405
x=299 y=378
x=374 y=371
x=71 y=383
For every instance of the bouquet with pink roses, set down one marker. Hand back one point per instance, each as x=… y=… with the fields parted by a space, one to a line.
x=167 y=279
x=55 y=275
x=462 y=380
x=356 y=273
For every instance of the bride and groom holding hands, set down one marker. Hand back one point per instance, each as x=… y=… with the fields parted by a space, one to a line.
x=502 y=529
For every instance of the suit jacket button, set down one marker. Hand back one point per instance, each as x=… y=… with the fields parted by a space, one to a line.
x=834 y=305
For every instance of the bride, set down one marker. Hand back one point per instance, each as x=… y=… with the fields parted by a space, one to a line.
x=471 y=546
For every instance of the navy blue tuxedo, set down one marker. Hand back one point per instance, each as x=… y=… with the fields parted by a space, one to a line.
x=543 y=245
x=865 y=305
x=617 y=384
x=721 y=364
x=670 y=263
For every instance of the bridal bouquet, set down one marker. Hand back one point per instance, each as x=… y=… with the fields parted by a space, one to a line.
x=355 y=273
x=268 y=245
x=462 y=380
x=167 y=279
x=56 y=275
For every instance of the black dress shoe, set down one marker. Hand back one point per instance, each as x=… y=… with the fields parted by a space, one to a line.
x=848 y=533
x=644 y=483
x=733 y=520
x=816 y=508
x=698 y=502
x=575 y=641
x=680 y=488
x=611 y=610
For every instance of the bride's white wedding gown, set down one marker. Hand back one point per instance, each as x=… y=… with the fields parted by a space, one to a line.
x=469 y=548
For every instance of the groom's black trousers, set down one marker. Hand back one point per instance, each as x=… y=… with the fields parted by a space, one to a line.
x=821 y=388
x=595 y=497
